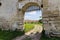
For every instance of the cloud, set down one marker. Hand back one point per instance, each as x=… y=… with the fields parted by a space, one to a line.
x=27 y=17
x=32 y=12
x=33 y=15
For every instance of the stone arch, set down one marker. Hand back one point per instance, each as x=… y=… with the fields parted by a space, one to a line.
x=27 y=5
x=24 y=8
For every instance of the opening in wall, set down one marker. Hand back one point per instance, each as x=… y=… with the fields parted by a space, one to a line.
x=0 y=3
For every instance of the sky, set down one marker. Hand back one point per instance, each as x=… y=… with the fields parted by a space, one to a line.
x=33 y=15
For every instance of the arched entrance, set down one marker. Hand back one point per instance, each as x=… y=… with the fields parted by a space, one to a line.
x=24 y=9
x=32 y=18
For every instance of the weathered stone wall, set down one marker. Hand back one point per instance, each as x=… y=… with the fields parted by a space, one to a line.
x=51 y=17
x=8 y=10
x=12 y=14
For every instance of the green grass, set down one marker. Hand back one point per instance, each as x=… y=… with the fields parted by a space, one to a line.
x=9 y=35
x=28 y=27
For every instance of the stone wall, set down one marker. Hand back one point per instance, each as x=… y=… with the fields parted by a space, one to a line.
x=12 y=14
x=8 y=10
x=51 y=17
x=23 y=6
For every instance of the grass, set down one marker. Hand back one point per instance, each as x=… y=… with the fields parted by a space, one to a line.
x=9 y=35
x=44 y=37
x=28 y=27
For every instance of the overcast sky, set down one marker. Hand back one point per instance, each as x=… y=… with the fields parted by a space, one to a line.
x=33 y=15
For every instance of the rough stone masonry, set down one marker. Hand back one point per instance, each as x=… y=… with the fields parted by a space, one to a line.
x=12 y=14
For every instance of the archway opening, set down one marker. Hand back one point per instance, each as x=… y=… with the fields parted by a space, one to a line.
x=0 y=3
x=32 y=18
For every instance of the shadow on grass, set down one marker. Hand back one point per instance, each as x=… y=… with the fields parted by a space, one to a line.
x=9 y=35
x=44 y=37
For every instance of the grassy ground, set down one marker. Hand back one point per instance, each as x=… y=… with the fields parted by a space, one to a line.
x=44 y=37
x=8 y=35
x=28 y=27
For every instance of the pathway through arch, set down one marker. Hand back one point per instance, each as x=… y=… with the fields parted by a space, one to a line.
x=34 y=34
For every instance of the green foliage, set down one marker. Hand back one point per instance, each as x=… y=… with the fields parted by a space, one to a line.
x=9 y=35
x=28 y=27
x=40 y=21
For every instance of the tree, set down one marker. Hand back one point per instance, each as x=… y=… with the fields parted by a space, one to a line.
x=40 y=21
